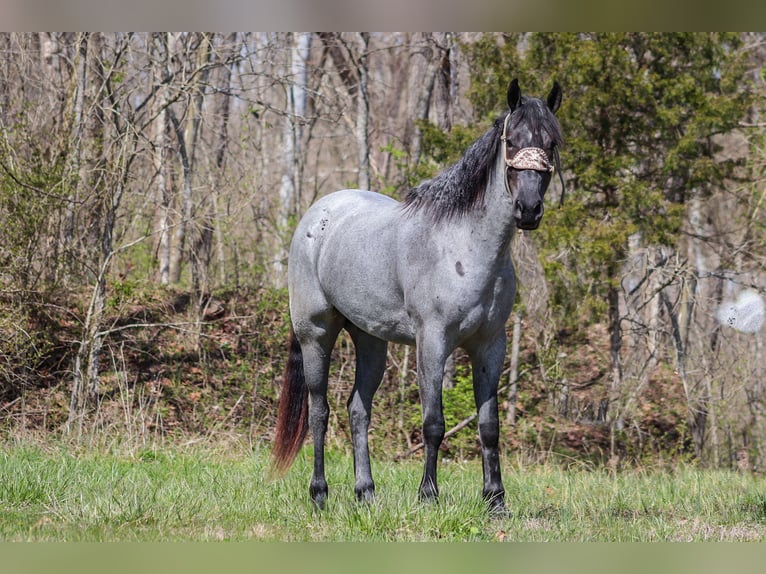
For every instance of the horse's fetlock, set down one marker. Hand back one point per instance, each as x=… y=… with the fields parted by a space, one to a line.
x=433 y=431
x=489 y=434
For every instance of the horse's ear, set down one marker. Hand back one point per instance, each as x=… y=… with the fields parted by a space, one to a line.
x=514 y=94
x=554 y=98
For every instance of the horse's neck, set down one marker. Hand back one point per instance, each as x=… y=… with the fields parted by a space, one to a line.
x=493 y=225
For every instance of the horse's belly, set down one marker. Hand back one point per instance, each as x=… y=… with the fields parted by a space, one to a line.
x=392 y=328
x=376 y=315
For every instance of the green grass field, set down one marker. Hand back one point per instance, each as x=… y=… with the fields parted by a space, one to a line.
x=207 y=493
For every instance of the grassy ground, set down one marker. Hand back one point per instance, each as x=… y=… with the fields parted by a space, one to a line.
x=206 y=493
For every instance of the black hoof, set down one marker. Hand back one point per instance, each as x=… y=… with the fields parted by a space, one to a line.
x=496 y=505
x=366 y=494
x=495 y=499
x=499 y=510
x=428 y=495
x=318 y=495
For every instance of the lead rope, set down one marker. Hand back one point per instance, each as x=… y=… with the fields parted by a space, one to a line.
x=561 y=174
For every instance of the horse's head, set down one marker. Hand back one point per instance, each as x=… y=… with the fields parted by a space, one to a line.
x=531 y=137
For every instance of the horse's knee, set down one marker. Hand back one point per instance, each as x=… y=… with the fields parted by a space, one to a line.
x=357 y=412
x=433 y=430
x=489 y=433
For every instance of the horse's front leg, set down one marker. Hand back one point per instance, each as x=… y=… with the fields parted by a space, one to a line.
x=487 y=364
x=431 y=354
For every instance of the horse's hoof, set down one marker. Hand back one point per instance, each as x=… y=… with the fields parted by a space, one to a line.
x=320 y=502
x=318 y=496
x=497 y=509
x=428 y=495
x=366 y=495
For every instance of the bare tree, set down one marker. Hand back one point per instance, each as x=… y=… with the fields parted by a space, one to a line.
x=210 y=226
x=187 y=134
x=108 y=193
x=161 y=72
x=298 y=47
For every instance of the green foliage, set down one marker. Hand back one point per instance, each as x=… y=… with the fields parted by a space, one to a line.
x=441 y=148
x=493 y=64
x=400 y=158
x=458 y=404
x=122 y=291
x=28 y=206
x=438 y=149
x=639 y=115
x=29 y=203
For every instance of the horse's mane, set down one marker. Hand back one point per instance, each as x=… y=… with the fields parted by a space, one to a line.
x=460 y=188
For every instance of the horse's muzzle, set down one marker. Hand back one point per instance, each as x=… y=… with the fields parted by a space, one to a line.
x=528 y=217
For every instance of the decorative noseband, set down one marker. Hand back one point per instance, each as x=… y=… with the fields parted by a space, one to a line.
x=533 y=158
x=528 y=158
x=524 y=158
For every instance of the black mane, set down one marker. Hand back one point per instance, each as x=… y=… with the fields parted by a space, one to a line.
x=460 y=188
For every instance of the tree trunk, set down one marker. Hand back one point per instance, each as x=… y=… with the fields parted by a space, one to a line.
x=423 y=86
x=363 y=112
x=447 y=79
x=107 y=195
x=221 y=151
x=187 y=145
x=161 y=51
x=513 y=375
x=292 y=139
x=74 y=155
x=616 y=422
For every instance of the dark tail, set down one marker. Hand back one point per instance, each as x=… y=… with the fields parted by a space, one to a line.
x=292 y=414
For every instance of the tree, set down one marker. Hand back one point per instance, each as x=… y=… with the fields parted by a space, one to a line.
x=298 y=48
x=187 y=136
x=641 y=118
x=105 y=191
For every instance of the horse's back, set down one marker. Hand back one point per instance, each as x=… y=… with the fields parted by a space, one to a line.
x=344 y=258
x=338 y=217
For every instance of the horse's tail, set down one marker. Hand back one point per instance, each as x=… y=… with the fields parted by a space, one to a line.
x=292 y=414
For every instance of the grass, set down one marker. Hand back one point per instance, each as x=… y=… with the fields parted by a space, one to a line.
x=207 y=493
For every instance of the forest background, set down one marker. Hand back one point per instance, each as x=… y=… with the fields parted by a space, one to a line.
x=149 y=185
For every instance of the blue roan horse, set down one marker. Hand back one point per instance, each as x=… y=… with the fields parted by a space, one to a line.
x=434 y=271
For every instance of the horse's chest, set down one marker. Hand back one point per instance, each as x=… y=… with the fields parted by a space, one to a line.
x=488 y=307
x=468 y=301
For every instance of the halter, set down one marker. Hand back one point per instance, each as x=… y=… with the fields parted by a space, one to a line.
x=528 y=158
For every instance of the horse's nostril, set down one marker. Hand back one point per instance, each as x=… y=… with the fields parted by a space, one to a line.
x=535 y=210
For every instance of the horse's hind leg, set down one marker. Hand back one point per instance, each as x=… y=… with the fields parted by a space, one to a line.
x=370 y=366
x=316 y=343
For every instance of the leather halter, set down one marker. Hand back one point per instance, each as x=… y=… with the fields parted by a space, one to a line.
x=528 y=158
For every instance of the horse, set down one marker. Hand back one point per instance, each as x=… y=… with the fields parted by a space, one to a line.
x=433 y=270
